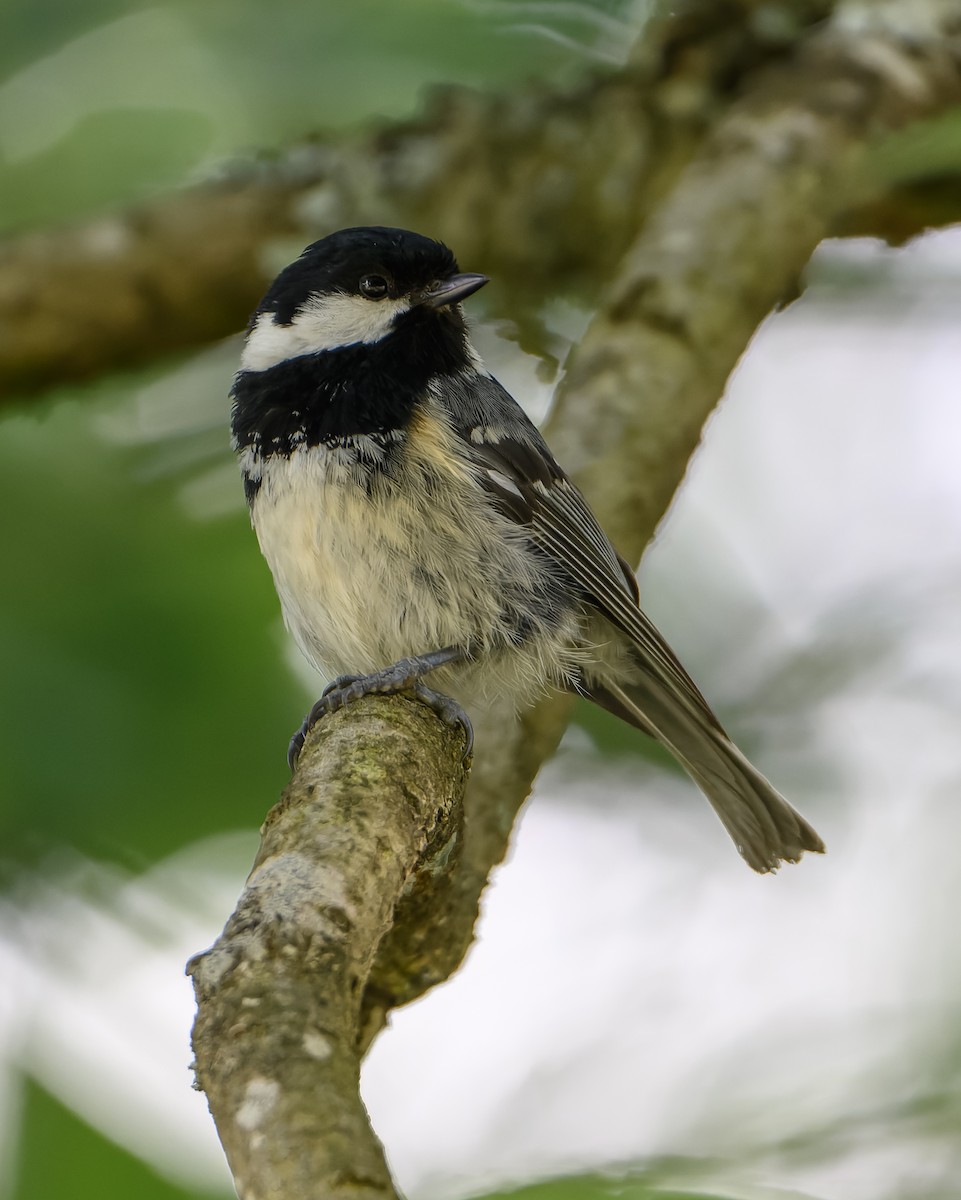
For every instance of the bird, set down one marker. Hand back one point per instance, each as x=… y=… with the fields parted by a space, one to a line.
x=418 y=528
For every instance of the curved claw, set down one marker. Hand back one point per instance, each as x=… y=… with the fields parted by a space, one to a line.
x=334 y=696
x=339 y=684
x=294 y=748
x=297 y=744
x=449 y=711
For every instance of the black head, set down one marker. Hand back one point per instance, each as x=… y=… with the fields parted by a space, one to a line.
x=356 y=286
x=348 y=340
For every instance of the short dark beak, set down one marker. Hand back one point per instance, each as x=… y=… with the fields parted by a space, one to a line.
x=449 y=291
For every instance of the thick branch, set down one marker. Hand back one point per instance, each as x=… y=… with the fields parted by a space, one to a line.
x=542 y=190
x=373 y=812
x=729 y=244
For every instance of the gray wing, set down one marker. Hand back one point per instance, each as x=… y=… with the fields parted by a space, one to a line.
x=518 y=471
x=515 y=467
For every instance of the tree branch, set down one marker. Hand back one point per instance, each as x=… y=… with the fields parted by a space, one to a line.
x=780 y=171
x=543 y=190
x=373 y=812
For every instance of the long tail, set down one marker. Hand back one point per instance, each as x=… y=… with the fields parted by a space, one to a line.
x=765 y=829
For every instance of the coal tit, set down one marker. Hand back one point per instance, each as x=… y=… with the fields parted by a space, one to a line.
x=417 y=525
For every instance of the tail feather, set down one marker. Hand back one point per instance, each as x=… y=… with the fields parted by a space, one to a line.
x=765 y=829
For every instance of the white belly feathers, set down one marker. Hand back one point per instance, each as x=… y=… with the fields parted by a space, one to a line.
x=358 y=590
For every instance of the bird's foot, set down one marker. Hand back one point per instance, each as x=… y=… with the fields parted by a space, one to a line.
x=402 y=676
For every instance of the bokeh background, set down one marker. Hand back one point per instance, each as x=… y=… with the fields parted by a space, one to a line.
x=637 y=1001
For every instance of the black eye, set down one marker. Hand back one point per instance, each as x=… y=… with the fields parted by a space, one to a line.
x=374 y=287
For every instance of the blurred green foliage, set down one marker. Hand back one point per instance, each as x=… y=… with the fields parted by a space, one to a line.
x=104 y=103
x=146 y=702
x=63 y=1156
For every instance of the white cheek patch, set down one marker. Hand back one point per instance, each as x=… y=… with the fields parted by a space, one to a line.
x=323 y=323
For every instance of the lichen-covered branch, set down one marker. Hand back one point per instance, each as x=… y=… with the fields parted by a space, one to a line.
x=542 y=189
x=729 y=243
x=372 y=813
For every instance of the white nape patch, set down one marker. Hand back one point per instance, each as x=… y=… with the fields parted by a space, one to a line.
x=324 y=322
x=260 y=1097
